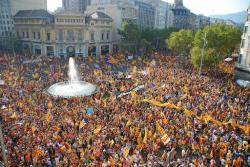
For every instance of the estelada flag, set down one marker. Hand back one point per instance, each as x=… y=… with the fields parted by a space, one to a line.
x=98 y=129
x=160 y=129
x=48 y=117
x=126 y=152
x=165 y=139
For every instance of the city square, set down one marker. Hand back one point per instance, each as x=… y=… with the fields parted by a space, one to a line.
x=83 y=88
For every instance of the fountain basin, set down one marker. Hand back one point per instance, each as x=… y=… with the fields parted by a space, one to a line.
x=72 y=89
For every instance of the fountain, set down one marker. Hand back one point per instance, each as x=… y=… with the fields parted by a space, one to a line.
x=74 y=87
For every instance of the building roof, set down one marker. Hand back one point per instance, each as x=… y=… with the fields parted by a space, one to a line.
x=99 y=16
x=68 y=13
x=33 y=14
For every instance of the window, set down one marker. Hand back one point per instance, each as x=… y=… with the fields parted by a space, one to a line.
x=60 y=35
x=48 y=36
x=108 y=35
x=27 y=34
x=70 y=35
x=245 y=30
x=92 y=36
x=79 y=35
x=23 y=34
x=240 y=58
x=102 y=36
x=34 y=35
x=243 y=43
x=38 y=35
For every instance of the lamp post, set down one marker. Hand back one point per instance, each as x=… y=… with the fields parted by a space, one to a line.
x=2 y=144
x=202 y=54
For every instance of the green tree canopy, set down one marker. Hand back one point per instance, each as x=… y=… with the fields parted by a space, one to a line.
x=210 y=59
x=221 y=38
x=130 y=32
x=181 y=42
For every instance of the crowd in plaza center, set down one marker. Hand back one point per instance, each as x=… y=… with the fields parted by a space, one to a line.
x=123 y=129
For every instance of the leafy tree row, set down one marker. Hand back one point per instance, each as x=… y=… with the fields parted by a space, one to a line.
x=134 y=39
x=219 y=42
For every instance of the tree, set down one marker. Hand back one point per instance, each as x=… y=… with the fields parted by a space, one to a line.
x=210 y=59
x=14 y=44
x=181 y=42
x=157 y=37
x=221 y=41
x=222 y=38
x=130 y=36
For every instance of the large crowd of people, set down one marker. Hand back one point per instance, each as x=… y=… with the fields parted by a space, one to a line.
x=40 y=130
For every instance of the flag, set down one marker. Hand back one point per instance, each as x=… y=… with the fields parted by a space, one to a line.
x=160 y=129
x=81 y=124
x=139 y=140
x=13 y=116
x=98 y=129
x=126 y=152
x=111 y=161
x=134 y=94
x=33 y=129
x=129 y=123
x=165 y=139
x=90 y=111
x=145 y=136
x=48 y=117
x=164 y=119
x=113 y=61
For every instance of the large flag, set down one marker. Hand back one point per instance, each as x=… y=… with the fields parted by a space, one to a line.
x=160 y=129
x=48 y=117
x=126 y=152
x=164 y=119
x=165 y=139
x=50 y=105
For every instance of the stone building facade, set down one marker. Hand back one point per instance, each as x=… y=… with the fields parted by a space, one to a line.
x=8 y=8
x=65 y=34
x=181 y=15
x=76 y=5
x=243 y=65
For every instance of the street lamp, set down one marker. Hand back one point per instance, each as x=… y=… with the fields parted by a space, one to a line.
x=203 y=50
x=2 y=143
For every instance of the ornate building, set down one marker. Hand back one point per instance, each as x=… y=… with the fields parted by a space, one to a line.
x=243 y=65
x=65 y=33
x=181 y=15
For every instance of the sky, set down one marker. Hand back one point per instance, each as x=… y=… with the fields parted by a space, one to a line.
x=205 y=7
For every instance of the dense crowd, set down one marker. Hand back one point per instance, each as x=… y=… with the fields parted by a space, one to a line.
x=41 y=130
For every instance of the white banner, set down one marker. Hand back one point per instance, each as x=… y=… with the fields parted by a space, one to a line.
x=2 y=82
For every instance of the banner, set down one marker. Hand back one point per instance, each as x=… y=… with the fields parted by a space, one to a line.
x=140 y=87
x=204 y=118
x=2 y=82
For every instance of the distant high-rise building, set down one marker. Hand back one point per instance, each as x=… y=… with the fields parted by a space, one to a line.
x=161 y=13
x=6 y=22
x=8 y=8
x=146 y=15
x=76 y=5
x=181 y=15
x=243 y=65
x=178 y=2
